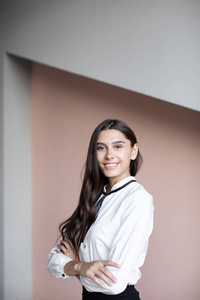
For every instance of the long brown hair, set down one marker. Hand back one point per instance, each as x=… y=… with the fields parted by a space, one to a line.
x=76 y=227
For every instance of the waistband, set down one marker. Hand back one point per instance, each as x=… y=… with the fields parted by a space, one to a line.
x=130 y=291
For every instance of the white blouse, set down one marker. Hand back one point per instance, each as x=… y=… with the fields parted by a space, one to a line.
x=120 y=233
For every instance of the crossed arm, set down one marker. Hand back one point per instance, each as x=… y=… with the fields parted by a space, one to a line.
x=128 y=248
x=93 y=270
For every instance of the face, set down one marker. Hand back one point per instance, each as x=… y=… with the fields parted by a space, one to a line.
x=114 y=153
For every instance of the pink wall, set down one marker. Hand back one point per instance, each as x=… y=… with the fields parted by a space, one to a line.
x=65 y=110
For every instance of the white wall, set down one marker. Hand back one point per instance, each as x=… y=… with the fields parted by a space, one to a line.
x=151 y=47
x=17 y=245
x=1 y=190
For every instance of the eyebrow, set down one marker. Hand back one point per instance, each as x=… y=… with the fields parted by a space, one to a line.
x=117 y=142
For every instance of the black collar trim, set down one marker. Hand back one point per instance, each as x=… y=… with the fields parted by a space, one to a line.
x=118 y=189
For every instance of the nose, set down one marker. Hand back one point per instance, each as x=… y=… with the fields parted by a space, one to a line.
x=109 y=154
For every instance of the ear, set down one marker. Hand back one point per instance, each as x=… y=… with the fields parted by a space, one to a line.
x=134 y=152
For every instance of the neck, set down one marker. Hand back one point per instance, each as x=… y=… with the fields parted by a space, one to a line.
x=113 y=181
x=110 y=185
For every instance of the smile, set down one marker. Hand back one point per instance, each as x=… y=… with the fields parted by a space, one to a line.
x=111 y=166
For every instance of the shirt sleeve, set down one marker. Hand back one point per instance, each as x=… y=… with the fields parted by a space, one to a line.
x=129 y=246
x=56 y=264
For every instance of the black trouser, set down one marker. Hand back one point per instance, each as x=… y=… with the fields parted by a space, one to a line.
x=130 y=293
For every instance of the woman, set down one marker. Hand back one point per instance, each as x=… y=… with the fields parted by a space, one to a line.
x=105 y=240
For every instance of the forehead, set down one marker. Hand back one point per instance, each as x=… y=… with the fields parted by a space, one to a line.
x=111 y=135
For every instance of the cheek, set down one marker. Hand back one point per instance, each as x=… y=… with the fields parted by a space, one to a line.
x=127 y=157
x=99 y=157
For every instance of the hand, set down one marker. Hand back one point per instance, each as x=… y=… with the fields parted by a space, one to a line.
x=67 y=248
x=96 y=269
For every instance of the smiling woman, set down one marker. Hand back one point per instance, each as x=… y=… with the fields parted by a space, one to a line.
x=104 y=242
x=114 y=153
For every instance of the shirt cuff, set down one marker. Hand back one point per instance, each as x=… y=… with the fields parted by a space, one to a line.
x=56 y=264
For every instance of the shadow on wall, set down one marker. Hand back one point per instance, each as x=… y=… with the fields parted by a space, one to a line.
x=65 y=110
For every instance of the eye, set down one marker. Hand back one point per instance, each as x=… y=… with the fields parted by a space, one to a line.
x=118 y=146
x=100 y=148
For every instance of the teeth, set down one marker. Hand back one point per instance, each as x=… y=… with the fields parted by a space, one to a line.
x=111 y=165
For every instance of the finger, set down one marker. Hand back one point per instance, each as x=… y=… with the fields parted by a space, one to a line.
x=95 y=279
x=62 y=251
x=104 y=278
x=69 y=243
x=58 y=251
x=111 y=278
x=64 y=244
x=61 y=248
x=107 y=272
x=110 y=263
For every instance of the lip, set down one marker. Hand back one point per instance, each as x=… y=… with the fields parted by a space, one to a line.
x=110 y=166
